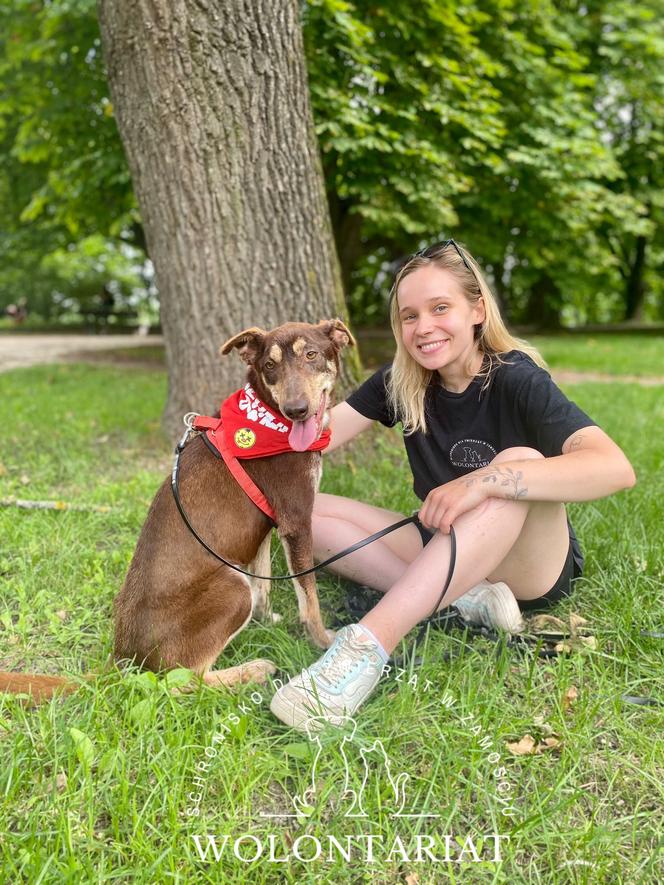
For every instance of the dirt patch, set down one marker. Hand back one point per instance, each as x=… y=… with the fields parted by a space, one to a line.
x=569 y=376
x=20 y=351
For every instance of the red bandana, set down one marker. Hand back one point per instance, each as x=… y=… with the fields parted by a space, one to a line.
x=248 y=429
x=252 y=430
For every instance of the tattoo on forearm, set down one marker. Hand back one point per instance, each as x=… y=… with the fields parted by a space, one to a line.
x=511 y=480
x=576 y=442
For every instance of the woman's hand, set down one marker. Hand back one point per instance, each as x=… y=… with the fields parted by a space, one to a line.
x=446 y=503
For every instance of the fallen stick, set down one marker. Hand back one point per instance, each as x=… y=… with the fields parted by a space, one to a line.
x=53 y=505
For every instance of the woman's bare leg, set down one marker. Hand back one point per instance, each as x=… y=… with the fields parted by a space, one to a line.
x=521 y=543
x=339 y=522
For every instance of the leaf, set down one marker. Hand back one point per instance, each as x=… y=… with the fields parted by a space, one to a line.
x=142 y=712
x=547 y=624
x=527 y=746
x=239 y=729
x=178 y=677
x=588 y=641
x=524 y=747
x=83 y=746
x=301 y=750
x=570 y=696
x=107 y=762
x=147 y=680
x=576 y=621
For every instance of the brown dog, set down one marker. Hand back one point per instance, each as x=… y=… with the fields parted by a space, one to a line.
x=179 y=607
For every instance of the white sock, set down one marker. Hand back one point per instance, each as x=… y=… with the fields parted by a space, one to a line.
x=381 y=651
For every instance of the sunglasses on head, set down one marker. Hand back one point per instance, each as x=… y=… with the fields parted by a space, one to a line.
x=432 y=251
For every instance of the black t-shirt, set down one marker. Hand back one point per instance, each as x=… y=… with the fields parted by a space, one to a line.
x=520 y=406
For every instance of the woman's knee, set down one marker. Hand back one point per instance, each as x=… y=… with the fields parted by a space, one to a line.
x=328 y=505
x=517 y=453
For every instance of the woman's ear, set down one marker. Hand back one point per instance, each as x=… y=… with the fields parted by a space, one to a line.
x=480 y=311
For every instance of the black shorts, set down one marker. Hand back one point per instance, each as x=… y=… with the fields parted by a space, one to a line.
x=560 y=590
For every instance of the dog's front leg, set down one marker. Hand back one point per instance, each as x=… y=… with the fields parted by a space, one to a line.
x=298 y=547
x=260 y=589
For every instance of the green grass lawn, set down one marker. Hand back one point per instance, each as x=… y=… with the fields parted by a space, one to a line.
x=611 y=354
x=103 y=785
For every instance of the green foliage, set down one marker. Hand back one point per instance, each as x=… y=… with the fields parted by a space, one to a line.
x=528 y=129
x=63 y=176
x=485 y=121
x=56 y=111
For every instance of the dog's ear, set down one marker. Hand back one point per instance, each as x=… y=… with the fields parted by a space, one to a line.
x=248 y=344
x=337 y=332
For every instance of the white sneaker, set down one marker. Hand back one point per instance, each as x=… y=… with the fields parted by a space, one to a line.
x=491 y=605
x=333 y=687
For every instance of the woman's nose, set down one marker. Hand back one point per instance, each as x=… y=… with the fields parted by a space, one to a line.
x=423 y=324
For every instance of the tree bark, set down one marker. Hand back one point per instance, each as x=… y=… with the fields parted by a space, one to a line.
x=212 y=104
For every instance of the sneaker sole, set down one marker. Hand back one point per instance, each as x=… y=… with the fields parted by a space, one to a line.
x=298 y=717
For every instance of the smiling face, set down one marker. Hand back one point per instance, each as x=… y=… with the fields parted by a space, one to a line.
x=437 y=323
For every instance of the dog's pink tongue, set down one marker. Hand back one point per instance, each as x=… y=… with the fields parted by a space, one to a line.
x=302 y=434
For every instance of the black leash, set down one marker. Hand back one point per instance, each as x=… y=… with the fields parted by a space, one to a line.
x=175 y=475
x=435 y=619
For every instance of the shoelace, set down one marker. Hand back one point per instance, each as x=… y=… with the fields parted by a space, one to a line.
x=336 y=668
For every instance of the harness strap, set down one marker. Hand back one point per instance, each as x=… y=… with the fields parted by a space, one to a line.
x=214 y=432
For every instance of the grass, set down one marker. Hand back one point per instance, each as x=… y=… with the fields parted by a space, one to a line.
x=102 y=785
x=611 y=354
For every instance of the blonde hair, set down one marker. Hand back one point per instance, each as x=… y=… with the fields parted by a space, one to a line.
x=408 y=381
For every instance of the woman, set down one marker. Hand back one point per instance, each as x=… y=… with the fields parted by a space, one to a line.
x=495 y=449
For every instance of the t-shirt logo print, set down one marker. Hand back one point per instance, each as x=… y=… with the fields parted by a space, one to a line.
x=470 y=454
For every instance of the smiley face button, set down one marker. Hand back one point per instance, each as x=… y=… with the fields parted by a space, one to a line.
x=244 y=438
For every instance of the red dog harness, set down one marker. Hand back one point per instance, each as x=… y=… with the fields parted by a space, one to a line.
x=247 y=428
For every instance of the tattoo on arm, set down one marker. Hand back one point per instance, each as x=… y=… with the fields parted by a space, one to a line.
x=511 y=480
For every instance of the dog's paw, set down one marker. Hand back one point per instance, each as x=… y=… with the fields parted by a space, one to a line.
x=258 y=670
x=275 y=618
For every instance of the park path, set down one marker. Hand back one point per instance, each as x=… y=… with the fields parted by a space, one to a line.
x=17 y=351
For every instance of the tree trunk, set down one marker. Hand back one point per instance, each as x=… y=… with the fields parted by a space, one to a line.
x=212 y=105
x=635 y=288
x=543 y=310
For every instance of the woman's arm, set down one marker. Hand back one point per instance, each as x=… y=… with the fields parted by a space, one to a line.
x=345 y=423
x=591 y=466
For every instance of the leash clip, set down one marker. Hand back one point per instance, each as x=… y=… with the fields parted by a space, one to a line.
x=188 y=421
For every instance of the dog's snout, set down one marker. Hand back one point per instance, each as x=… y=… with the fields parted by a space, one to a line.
x=296 y=409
